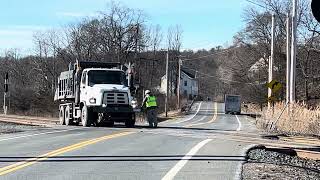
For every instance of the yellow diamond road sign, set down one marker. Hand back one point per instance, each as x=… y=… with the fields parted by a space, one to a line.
x=274 y=85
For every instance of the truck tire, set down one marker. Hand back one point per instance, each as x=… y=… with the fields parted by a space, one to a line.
x=68 y=119
x=61 y=116
x=109 y=123
x=131 y=121
x=77 y=123
x=85 y=116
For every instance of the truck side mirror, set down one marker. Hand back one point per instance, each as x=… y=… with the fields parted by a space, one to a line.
x=135 y=88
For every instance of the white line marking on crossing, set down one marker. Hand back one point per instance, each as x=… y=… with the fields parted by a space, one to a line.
x=173 y=172
x=239 y=126
x=37 y=134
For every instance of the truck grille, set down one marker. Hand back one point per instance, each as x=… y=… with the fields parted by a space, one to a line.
x=115 y=98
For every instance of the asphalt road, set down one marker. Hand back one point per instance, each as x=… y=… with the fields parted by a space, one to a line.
x=206 y=144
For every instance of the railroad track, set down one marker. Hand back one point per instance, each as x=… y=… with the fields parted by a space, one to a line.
x=287 y=142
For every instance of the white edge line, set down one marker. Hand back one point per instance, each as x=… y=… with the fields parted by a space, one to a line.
x=190 y=117
x=239 y=122
x=244 y=152
x=173 y=172
x=30 y=135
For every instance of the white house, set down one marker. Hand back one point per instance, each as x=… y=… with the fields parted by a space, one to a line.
x=188 y=84
x=259 y=70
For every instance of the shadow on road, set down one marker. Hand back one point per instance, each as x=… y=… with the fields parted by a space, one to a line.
x=122 y=158
x=251 y=115
x=312 y=149
x=184 y=128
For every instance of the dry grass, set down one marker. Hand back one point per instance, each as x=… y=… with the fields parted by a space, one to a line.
x=295 y=119
x=251 y=108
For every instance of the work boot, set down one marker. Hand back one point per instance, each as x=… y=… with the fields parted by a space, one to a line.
x=150 y=125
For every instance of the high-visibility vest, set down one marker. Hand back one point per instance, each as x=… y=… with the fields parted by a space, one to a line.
x=151 y=102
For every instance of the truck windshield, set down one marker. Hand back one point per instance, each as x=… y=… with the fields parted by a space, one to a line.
x=106 y=77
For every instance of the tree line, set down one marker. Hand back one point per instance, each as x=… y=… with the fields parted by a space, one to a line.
x=118 y=34
x=247 y=59
x=122 y=34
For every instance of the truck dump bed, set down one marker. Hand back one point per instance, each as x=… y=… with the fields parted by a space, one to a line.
x=91 y=64
x=66 y=86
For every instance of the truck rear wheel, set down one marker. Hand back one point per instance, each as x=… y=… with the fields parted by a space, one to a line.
x=61 y=115
x=85 y=116
x=68 y=119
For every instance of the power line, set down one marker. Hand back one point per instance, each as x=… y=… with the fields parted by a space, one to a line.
x=257 y=4
x=209 y=75
x=205 y=45
x=201 y=57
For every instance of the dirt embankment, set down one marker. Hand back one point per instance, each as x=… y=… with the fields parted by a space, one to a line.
x=276 y=165
x=7 y=127
x=290 y=121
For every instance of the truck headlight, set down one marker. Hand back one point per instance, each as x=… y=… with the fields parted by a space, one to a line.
x=134 y=104
x=92 y=100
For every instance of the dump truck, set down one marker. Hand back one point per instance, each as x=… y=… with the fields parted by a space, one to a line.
x=232 y=104
x=95 y=93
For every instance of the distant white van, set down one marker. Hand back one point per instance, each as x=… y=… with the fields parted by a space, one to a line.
x=232 y=104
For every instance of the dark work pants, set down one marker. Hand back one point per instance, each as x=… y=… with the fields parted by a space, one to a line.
x=152 y=118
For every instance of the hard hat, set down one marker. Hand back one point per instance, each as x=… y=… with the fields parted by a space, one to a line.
x=147 y=92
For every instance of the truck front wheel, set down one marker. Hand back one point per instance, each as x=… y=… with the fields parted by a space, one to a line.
x=109 y=123
x=131 y=121
x=85 y=116
x=61 y=115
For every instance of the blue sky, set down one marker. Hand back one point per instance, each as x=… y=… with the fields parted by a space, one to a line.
x=205 y=23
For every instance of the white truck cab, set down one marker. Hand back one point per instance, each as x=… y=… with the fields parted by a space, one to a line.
x=102 y=87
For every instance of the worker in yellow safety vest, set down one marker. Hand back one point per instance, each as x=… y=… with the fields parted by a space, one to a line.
x=150 y=105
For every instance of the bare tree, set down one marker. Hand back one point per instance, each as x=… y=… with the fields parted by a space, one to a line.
x=174 y=39
x=254 y=40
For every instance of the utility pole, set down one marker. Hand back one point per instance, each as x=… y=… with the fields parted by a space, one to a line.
x=293 y=53
x=6 y=89
x=288 y=60
x=167 y=81
x=179 y=81
x=198 y=83
x=271 y=59
x=129 y=74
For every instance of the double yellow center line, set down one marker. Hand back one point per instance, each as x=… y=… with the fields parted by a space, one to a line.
x=215 y=109
x=31 y=161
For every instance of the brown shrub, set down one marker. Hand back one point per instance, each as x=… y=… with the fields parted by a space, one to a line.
x=292 y=119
